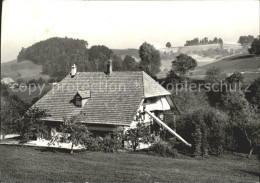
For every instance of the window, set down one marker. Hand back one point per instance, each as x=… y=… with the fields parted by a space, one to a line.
x=78 y=101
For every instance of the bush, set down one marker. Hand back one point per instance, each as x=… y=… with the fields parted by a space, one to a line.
x=93 y=144
x=107 y=144
x=205 y=130
x=163 y=149
x=110 y=145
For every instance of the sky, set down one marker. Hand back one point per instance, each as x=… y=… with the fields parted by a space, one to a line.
x=124 y=24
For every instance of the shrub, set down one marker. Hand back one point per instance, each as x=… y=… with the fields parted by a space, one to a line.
x=163 y=149
x=205 y=130
x=110 y=145
x=138 y=134
x=93 y=144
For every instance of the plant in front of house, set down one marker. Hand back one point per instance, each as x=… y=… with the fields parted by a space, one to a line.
x=31 y=126
x=138 y=134
x=164 y=149
x=76 y=132
x=142 y=132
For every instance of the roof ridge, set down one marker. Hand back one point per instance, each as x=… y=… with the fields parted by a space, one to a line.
x=104 y=72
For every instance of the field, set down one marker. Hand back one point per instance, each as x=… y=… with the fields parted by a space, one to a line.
x=241 y=65
x=24 y=164
x=25 y=69
x=249 y=67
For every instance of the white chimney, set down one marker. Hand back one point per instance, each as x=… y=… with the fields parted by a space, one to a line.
x=109 y=69
x=73 y=70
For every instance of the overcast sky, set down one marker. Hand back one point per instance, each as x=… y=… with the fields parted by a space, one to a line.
x=126 y=24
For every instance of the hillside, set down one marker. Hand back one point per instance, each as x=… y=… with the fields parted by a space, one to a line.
x=231 y=65
x=249 y=67
x=131 y=51
x=26 y=70
x=167 y=64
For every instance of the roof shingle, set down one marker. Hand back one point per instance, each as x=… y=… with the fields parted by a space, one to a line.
x=114 y=99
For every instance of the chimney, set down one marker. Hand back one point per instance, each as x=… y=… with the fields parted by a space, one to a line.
x=109 y=67
x=73 y=70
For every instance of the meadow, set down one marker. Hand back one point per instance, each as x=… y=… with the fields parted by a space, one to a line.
x=27 y=164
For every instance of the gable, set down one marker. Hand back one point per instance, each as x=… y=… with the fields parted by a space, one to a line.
x=152 y=88
x=83 y=94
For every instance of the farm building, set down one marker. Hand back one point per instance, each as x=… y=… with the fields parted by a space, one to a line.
x=7 y=81
x=106 y=100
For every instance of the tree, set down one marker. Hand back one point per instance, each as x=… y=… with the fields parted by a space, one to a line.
x=253 y=93
x=248 y=122
x=141 y=132
x=9 y=115
x=31 y=124
x=117 y=62
x=243 y=117
x=246 y=41
x=235 y=79
x=220 y=41
x=183 y=64
x=134 y=135
x=150 y=58
x=255 y=47
x=215 y=40
x=172 y=77
x=129 y=64
x=76 y=132
x=168 y=45
x=98 y=55
x=12 y=109
x=205 y=129
x=214 y=75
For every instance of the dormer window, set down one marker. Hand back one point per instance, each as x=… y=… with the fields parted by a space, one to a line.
x=81 y=98
x=78 y=101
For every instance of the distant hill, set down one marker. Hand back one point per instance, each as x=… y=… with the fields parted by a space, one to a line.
x=26 y=70
x=131 y=51
x=229 y=65
x=246 y=64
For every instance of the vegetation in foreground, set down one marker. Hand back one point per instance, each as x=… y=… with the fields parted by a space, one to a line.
x=48 y=165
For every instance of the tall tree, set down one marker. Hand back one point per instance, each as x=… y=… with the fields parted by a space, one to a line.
x=98 y=55
x=246 y=41
x=214 y=78
x=215 y=40
x=150 y=58
x=242 y=116
x=220 y=41
x=129 y=63
x=255 y=47
x=183 y=64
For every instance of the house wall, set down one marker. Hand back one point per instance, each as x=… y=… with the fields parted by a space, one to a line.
x=155 y=105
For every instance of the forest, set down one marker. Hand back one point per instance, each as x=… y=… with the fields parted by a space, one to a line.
x=56 y=55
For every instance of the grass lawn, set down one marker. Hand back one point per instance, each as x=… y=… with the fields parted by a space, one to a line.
x=27 y=164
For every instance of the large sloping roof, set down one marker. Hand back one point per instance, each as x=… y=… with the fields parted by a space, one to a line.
x=114 y=98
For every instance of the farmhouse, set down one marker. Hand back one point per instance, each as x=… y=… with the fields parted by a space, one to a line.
x=107 y=101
